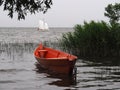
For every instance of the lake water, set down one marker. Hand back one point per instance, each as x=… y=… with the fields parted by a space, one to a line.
x=19 y=71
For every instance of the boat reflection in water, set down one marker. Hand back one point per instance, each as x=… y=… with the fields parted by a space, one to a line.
x=63 y=80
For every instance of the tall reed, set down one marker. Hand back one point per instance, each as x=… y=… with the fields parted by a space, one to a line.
x=93 y=39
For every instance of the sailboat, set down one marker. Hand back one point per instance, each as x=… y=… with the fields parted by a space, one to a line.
x=43 y=26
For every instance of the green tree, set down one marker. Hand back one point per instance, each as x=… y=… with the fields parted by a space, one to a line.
x=113 y=12
x=22 y=7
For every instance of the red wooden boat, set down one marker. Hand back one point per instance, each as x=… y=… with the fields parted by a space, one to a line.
x=55 y=60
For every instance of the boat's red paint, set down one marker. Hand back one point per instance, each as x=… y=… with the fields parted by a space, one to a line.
x=55 y=60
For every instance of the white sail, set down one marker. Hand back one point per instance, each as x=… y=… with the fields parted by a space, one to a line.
x=43 y=26
x=46 y=26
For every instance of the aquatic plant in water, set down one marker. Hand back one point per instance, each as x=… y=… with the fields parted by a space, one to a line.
x=93 y=39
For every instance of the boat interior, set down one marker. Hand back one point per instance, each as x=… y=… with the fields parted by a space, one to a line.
x=49 y=53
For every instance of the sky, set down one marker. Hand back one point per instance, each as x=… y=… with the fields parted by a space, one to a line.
x=63 y=13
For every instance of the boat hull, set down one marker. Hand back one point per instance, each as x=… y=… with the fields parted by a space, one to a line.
x=57 y=66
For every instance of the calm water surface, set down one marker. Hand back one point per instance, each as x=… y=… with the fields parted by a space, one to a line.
x=19 y=71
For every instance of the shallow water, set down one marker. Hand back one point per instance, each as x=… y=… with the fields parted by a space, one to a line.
x=19 y=71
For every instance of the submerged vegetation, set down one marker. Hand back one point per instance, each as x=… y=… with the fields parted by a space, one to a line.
x=94 y=39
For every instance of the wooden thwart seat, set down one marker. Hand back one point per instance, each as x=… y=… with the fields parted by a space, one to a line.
x=42 y=53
